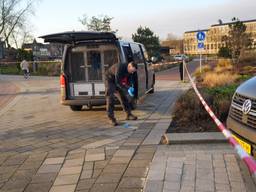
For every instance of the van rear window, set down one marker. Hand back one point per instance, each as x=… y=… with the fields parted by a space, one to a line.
x=88 y=63
x=94 y=65
x=77 y=60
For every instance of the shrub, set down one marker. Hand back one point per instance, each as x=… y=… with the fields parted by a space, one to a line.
x=248 y=70
x=224 y=63
x=248 y=58
x=198 y=75
x=212 y=79
x=221 y=99
x=189 y=109
x=224 y=52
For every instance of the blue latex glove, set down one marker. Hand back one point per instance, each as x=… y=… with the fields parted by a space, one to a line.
x=131 y=91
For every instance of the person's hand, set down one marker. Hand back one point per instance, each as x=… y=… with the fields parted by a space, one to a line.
x=131 y=91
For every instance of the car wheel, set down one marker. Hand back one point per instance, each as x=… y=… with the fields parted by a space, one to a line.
x=76 y=107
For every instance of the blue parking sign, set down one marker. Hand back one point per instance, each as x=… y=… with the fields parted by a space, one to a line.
x=200 y=45
x=200 y=36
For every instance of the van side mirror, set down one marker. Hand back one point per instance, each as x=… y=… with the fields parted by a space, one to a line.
x=153 y=59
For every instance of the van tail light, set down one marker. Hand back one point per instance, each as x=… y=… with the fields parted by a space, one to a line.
x=62 y=81
x=62 y=87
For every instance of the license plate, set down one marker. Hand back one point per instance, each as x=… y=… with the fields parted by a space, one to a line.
x=244 y=145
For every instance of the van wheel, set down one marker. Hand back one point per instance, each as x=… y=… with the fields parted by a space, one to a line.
x=89 y=106
x=76 y=107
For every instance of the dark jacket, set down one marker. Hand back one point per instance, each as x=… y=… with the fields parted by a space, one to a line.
x=116 y=73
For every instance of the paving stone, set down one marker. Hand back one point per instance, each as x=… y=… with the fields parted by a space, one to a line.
x=124 y=153
x=222 y=187
x=109 y=178
x=96 y=173
x=154 y=186
x=136 y=172
x=89 y=165
x=63 y=188
x=51 y=161
x=39 y=187
x=95 y=157
x=104 y=187
x=15 y=160
x=49 y=168
x=143 y=156
x=120 y=160
x=15 y=184
x=171 y=186
x=139 y=163
x=66 y=180
x=85 y=184
x=117 y=168
x=132 y=182
x=100 y=164
x=44 y=178
x=70 y=170
x=204 y=185
x=129 y=190
x=73 y=162
x=86 y=174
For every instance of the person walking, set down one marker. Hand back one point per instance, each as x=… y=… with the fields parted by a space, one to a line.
x=24 y=65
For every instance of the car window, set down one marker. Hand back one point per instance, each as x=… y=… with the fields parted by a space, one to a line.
x=137 y=54
x=145 y=54
x=128 y=53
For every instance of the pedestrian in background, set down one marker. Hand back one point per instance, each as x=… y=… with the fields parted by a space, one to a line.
x=24 y=65
x=181 y=68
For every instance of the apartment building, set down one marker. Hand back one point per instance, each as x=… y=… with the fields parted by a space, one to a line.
x=213 y=39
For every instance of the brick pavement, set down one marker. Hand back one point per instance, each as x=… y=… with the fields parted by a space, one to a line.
x=46 y=147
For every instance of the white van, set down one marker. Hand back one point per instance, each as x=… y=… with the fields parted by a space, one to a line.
x=86 y=57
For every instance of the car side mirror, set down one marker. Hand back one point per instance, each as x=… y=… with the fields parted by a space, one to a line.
x=153 y=59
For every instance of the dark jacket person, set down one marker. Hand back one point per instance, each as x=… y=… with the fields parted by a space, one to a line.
x=113 y=78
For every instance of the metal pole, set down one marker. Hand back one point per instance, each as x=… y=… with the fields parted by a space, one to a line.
x=183 y=70
x=200 y=62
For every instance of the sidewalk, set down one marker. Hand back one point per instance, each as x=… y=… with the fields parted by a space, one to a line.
x=198 y=167
x=50 y=148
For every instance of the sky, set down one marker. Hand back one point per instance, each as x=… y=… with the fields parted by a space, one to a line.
x=161 y=16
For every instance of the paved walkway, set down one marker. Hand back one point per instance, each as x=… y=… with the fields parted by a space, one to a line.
x=197 y=167
x=7 y=93
x=46 y=147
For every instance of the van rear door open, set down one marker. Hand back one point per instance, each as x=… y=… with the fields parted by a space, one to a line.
x=85 y=65
x=88 y=55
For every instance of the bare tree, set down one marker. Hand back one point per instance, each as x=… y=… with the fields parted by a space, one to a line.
x=13 y=16
x=100 y=23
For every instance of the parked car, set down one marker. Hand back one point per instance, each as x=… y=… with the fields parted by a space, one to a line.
x=242 y=116
x=181 y=57
x=86 y=57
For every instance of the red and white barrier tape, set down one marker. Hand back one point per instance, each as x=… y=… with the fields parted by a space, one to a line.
x=249 y=161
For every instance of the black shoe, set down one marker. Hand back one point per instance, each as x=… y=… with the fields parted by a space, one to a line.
x=131 y=117
x=113 y=121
